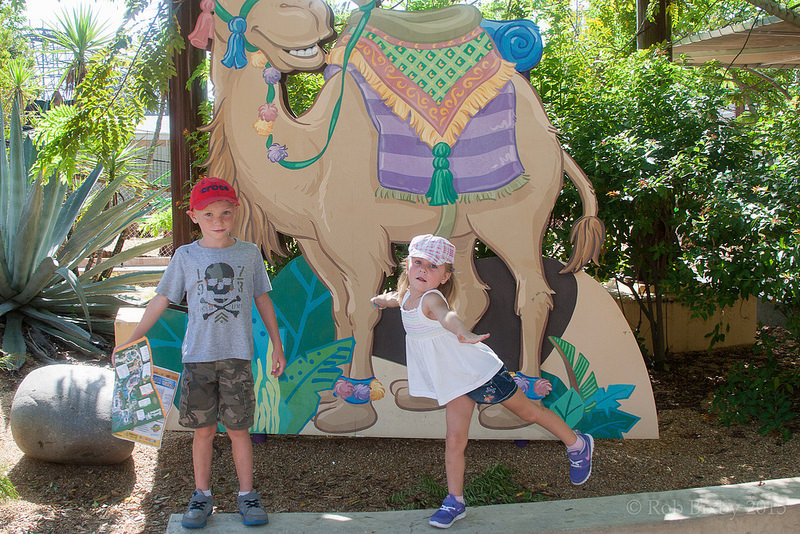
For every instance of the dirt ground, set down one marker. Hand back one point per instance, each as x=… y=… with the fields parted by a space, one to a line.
x=335 y=474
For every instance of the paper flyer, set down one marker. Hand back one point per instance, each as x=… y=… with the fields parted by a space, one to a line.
x=166 y=384
x=135 y=400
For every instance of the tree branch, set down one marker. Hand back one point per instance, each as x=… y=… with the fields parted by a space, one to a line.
x=775 y=9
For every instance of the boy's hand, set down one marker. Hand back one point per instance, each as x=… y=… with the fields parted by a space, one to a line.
x=114 y=352
x=278 y=362
x=469 y=337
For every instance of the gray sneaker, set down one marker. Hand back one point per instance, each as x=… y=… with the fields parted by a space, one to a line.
x=200 y=507
x=250 y=509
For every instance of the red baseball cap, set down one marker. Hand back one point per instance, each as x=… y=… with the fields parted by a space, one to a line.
x=210 y=190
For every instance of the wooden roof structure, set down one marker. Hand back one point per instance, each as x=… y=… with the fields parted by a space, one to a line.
x=767 y=42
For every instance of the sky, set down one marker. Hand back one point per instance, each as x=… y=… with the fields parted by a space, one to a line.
x=41 y=12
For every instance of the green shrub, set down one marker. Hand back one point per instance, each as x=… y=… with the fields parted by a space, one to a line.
x=763 y=394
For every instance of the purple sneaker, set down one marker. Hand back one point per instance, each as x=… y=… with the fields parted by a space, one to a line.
x=450 y=512
x=580 y=468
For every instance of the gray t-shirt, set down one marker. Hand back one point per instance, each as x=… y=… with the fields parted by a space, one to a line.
x=220 y=285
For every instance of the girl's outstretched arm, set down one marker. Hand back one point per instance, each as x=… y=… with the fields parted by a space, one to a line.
x=386 y=300
x=434 y=307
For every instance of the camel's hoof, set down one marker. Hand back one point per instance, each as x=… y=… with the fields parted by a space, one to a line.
x=344 y=418
x=405 y=401
x=327 y=396
x=498 y=417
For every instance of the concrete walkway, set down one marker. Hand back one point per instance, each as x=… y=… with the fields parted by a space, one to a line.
x=771 y=506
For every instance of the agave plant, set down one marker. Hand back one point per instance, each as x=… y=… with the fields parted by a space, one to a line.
x=45 y=233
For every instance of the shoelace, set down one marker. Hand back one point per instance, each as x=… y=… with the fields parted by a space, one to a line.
x=252 y=503
x=197 y=505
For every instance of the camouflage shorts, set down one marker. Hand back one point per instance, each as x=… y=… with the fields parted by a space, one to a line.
x=217 y=391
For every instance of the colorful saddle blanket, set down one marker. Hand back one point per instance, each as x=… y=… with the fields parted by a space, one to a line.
x=438 y=85
x=484 y=161
x=424 y=95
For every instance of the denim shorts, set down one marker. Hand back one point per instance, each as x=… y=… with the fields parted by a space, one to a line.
x=217 y=391
x=499 y=388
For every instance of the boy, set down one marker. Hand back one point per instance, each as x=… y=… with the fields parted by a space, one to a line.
x=221 y=277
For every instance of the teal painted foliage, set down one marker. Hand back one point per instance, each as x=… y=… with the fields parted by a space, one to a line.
x=303 y=307
x=590 y=408
x=166 y=340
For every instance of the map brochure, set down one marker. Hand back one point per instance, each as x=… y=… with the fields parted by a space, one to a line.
x=136 y=401
x=166 y=383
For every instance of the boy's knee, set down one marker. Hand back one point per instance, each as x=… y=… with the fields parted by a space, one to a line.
x=205 y=432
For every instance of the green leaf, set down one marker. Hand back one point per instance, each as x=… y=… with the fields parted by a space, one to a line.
x=15 y=176
x=72 y=206
x=77 y=342
x=6 y=290
x=72 y=280
x=14 y=348
x=41 y=276
x=306 y=375
x=569 y=407
x=7 y=306
x=55 y=321
x=122 y=257
x=27 y=233
x=54 y=194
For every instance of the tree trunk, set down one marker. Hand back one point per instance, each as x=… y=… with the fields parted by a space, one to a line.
x=655 y=30
x=183 y=117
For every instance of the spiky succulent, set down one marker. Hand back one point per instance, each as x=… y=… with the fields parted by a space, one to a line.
x=45 y=233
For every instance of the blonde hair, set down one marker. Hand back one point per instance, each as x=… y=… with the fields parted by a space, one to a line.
x=448 y=289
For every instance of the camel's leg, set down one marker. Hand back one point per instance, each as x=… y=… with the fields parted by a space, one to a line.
x=331 y=278
x=471 y=300
x=356 y=271
x=328 y=274
x=521 y=252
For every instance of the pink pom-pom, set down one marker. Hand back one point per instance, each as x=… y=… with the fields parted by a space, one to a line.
x=204 y=27
x=542 y=387
x=268 y=112
x=343 y=389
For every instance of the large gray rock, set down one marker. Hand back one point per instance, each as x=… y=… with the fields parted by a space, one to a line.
x=62 y=413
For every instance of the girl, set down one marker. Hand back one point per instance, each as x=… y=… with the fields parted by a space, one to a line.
x=449 y=363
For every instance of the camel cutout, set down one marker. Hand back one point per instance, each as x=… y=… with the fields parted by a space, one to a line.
x=317 y=177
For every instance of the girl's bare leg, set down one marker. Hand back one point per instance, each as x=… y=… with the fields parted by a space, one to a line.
x=532 y=412
x=458 y=414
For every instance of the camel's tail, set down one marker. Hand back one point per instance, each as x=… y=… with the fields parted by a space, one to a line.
x=588 y=232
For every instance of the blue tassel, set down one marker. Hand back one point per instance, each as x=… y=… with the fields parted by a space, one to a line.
x=234 y=55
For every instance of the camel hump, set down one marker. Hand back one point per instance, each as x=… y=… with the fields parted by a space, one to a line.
x=432 y=26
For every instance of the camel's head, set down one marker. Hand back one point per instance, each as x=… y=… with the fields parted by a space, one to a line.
x=288 y=32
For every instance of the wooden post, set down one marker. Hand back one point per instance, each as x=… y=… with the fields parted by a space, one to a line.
x=183 y=108
x=655 y=31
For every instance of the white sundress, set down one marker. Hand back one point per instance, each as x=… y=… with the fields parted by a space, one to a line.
x=440 y=366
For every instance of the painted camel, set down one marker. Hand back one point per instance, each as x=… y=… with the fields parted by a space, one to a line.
x=321 y=178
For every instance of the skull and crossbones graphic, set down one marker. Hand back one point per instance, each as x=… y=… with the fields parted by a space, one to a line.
x=219 y=278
